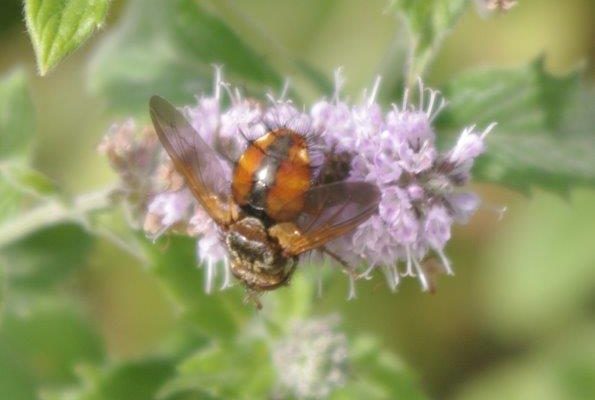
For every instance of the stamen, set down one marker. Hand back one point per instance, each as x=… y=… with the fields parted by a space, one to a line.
x=285 y=89
x=409 y=270
x=374 y=93
x=367 y=273
x=388 y=274
x=439 y=109
x=227 y=87
x=352 y=292
x=218 y=81
x=488 y=130
x=445 y=261
x=238 y=94
x=211 y=271
x=227 y=275
x=431 y=104
x=421 y=276
x=431 y=112
x=420 y=87
x=392 y=276
x=339 y=82
x=405 y=100
x=271 y=98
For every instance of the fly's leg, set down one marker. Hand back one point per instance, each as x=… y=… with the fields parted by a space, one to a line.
x=253 y=296
x=348 y=269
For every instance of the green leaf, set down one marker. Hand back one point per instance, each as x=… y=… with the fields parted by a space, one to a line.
x=16 y=116
x=220 y=314
x=377 y=374
x=58 y=27
x=238 y=370
x=428 y=23
x=243 y=369
x=292 y=302
x=45 y=257
x=134 y=380
x=2 y=288
x=27 y=180
x=16 y=132
x=43 y=342
x=544 y=135
x=169 y=48
x=16 y=383
x=527 y=98
x=10 y=199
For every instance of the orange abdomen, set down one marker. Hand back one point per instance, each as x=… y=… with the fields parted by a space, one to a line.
x=273 y=175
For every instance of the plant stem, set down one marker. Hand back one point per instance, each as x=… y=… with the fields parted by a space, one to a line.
x=52 y=212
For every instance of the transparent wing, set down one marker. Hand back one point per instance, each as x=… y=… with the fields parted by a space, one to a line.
x=331 y=211
x=193 y=159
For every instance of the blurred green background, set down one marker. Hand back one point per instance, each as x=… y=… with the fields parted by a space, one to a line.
x=517 y=320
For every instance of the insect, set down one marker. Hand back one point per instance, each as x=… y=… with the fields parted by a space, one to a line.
x=270 y=213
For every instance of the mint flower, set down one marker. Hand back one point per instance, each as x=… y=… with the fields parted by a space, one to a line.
x=312 y=360
x=133 y=155
x=423 y=188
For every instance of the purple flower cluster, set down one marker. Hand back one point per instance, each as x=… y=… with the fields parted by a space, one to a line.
x=132 y=154
x=422 y=188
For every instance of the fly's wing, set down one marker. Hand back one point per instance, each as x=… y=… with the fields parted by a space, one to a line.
x=331 y=211
x=193 y=159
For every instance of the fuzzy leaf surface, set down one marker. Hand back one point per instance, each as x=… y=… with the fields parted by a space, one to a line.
x=545 y=135
x=58 y=27
x=169 y=48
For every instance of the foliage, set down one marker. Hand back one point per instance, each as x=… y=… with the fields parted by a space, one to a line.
x=135 y=380
x=58 y=27
x=544 y=136
x=46 y=257
x=170 y=48
x=428 y=23
x=41 y=343
x=17 y=125
x=17 y=129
